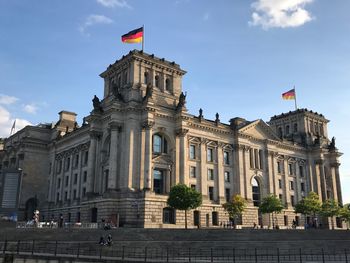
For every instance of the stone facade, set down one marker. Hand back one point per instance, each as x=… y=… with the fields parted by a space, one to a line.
x=140 y=140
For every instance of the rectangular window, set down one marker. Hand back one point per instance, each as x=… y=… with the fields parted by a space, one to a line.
x=302 y=187
x=75 y=178
x=84 y=191
x=85 y=176
x=209 y=155
x=192 y=172
x=280 y=183
x=291 y=185
x=301 y=171
x=211 y=193
x=210 y=174
x=75 y=194
x=65 y=196
x=256 y=158
x=280 y=197
x=58 y=182
x=227 y=176
x=59 y=167
x=260 y=159
x=279 y=167
x=290 y=169
x=57 y=197
x=192 y=152
x=86 y=157
x=226 y=158
x=67 y=180
x=227 y=194
x=251 y=158
x=292 y=202
x=76 y=161
x=67 y=164
x=193 y=186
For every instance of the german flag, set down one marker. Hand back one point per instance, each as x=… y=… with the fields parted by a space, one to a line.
x=289 y=95
x=134 y=36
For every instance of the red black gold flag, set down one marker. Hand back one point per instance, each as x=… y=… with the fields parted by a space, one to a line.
x=289 y=95
x=134 y=36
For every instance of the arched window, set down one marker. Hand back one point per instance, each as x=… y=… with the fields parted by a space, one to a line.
x=160 y=144
x=145 y=77
x=169 y=215
x=256 y=192
x=156 y=80
x=167 y=85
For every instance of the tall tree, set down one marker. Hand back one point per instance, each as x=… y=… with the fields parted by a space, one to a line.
x=330 y=208
x=182 y=197
x=235 y=207
x=344 y=214
x=309 y=206
x=271 y=204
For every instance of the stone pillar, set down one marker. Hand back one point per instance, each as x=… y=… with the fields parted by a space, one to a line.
x=318 y=177
x=297 y=190
x=203 y=170
x=323 y=182
x=220 y=180
x=94 y=136
x=247 y=175
x=240 y=164
x=337 y=180
x=113 y=156
x=148 y=154
x=334 y=182
x=183 y=156
x=285 y=176
x=272 y=173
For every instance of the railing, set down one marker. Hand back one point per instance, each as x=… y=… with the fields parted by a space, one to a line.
x=91 y=250
x=55 y=225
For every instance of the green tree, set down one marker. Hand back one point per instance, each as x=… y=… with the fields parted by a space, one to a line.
x=344 y=214
x=235 y=207
x=330 y=208
x=269 y=205
x=309 y=205
x=182 y=197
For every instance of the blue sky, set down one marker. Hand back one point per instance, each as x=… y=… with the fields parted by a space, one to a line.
x=240 y=56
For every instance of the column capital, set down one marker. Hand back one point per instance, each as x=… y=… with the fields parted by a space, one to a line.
x=147 y=125
x=335 y=165
x=243 y=147
x=319 y=161
x=114 y=126
x=181 y=132
x=95 y=134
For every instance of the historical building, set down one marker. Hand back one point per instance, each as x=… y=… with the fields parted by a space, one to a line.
x=139 y=141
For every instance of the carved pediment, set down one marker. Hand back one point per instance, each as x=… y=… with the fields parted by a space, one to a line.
x=162 y=159
x=260 y=130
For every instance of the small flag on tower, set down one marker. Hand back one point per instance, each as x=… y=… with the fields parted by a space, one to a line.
x=289 y=95
x=134 y=36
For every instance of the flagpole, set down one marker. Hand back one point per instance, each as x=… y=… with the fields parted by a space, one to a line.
x=143 y=36
x=295 y=98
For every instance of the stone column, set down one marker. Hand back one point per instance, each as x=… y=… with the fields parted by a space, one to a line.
x=323 y=182
x=203 y=170
x=285 y=176
x=247 y=175
x=272 y=172
x=183 y=156
x=147 y=126
x=220 y=181
x=337 y=181
x=240 y=164
x=113 y=156
x=94 y=136
x=297 y=190
x=318 y=178
x=334 y=181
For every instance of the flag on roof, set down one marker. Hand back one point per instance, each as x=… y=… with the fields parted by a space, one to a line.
x=134 y=36
x=289 y=95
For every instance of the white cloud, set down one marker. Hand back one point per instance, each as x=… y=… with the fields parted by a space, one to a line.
x=280 y=13
x=7 y=100
x=114 y=3
x=6 y=123
x=94 y=20
x=30 y=108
